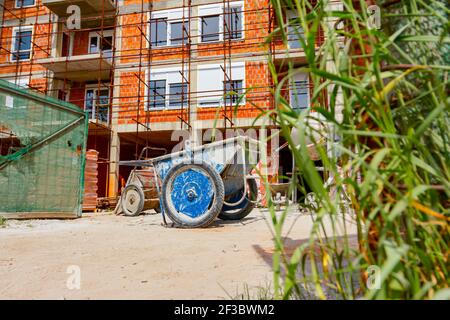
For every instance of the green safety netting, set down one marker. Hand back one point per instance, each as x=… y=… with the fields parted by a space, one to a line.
x=42 y=154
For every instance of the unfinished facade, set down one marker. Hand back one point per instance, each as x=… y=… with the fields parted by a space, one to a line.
x=145 y=69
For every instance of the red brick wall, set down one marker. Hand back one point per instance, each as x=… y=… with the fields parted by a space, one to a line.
x=77 y=93
x=81 y=43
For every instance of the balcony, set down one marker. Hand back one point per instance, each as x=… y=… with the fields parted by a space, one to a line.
x=90 y=11
x=80 y=68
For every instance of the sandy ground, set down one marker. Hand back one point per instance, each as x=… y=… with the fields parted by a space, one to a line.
x=119 y=257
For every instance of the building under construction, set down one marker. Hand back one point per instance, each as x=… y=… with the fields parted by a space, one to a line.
x=146 y=69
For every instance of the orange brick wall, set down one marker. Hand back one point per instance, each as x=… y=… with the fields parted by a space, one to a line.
x=11 y=12
x=39 y=85
x=255 y=25
x=133 y=50
x=132 y=41
x=40 y=49
x=256 y=22
x=130 y=99
x=257 y=81
x=41 y=46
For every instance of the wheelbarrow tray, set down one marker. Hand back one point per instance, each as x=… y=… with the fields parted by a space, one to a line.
x=229 y=161
x=219 y=155
x=226 y=156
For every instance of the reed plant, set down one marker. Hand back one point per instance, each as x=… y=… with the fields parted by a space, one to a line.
x=385 y=119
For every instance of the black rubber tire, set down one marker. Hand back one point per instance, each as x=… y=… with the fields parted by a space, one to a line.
x=209 y=216
x=139 y=205
x=228 y=213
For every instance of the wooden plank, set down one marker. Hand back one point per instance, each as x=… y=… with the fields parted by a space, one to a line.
x=38 y=215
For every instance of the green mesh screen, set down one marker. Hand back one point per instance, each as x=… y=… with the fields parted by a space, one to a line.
x=42 y=145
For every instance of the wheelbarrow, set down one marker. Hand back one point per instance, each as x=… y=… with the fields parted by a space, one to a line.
x=140 y=192
x=280 y=194
x=197 y=185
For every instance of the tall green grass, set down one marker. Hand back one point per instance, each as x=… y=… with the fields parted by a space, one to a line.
x=388 y=105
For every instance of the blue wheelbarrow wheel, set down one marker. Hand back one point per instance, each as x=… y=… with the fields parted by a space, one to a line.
x=192 y=195
x=244 y=208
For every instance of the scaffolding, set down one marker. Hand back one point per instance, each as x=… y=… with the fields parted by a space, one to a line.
x=124 y=52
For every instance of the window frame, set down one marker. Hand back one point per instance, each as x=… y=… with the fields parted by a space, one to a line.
x=13 y=42
x=26 y=6
x=168 y=42
x=185 y=93
x=183 y=39
x=170 y=16
x=171 y=75
x=236 y=96
x=166 y=33
x=95 y=88
x=293 y=87
x=22 y=82
x=219 y=33
x=290 y=16
x=98 y=36
x=238 y=74
x=241 y=31
x=220 y=10
x=149 y=102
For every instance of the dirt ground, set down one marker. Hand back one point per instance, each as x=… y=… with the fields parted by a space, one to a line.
x=119 y=257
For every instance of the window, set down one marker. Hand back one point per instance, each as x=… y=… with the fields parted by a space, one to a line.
x=157 y=94
x=212 y=88
x=24 y=3
x=21 y=82
x=167 y=88
x=96 y=102
x=22 y=44
x=178 y=94
x=106 y=43
x=93 y=45
x=295 y=33
x=62 y=95
x=221 y=22
x=210 y=28
x=97 y=43
x=178 y=33
x=233 y=90
x=300 y=94
x=16 y=102
x=158 y=32
x=233 y=20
